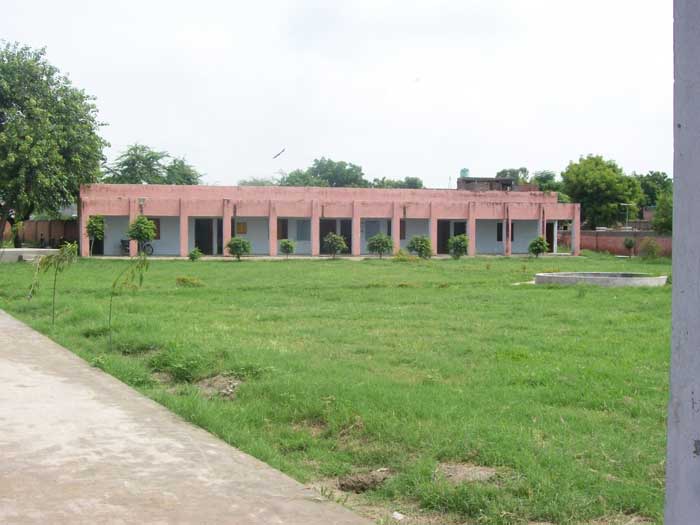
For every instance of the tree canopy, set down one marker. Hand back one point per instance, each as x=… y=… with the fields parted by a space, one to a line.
x=654 y=184
x=602 y=188
x=140 y=164
x=663 y=217
x=334 y=174
x=519 y=175
x=49 y=141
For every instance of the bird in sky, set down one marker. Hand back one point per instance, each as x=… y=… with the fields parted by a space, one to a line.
x=280 y=153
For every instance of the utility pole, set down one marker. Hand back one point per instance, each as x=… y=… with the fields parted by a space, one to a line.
x=683 y=444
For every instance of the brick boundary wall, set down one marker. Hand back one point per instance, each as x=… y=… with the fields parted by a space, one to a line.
x=613 y=241
x=53 y=231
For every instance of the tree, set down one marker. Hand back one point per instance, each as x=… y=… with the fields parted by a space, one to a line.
x=421 y=246
x=380 y=244
x=140 y=164
x=654 y=184
x=601 y=187
x=629 y=243
x=258 y=181
x=287 y=247
x=137 y=268
x=546 y=181
x=335 y=244
x=301 y=178
x=180 y=172
x=57 y=262
x=458 y=246
x=238 y=247
x=95 y=229
x=406 y=183
x=49 y=142
x=142 y=230
x=538 y=246
x=519 y=175
x=663 y=217
x=327 y=172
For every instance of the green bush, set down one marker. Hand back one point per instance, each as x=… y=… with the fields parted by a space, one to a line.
x=195 y=255
x=287 y=247
x=142 y=230
x=629 y=245
x=238 y=247
x=403 y=256
x=57 y=262
x=421 y=246
x=649 y=249
x=335 y=244
x=458 y=246
x=538 y=246
x=95 y=229
x=380 y=244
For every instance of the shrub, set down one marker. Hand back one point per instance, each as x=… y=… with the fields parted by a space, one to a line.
x=629 y=245
x=403 y=256
x=287 y=247
x=239 y=246
x=538 y=246
x=335 y=244
x=136 y=269
x=649 y=249
x=458 y=246
x=421 y=246
x=142 y=230
x=95 y=229
x=57 y=262
x=188 y=282
x=380 y=244
x=195 y=255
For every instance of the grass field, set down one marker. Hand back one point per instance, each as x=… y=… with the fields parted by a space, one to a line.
x=349 y=366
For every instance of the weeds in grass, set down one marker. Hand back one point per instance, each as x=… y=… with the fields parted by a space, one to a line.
x=188 y=282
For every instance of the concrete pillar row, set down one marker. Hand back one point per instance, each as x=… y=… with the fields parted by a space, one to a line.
x=83 y=218
x=396 y=227
x=133 y=213
x=576 y=231
x=507 y=225
x=272 y=230
x=356 y=248
x=472 y=229
x=184 y=229
x=315 y=229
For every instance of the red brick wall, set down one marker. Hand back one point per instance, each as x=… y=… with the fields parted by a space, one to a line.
x=613 y=241
x=52 y=230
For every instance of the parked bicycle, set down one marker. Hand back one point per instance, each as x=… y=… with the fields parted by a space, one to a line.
x=144 y=247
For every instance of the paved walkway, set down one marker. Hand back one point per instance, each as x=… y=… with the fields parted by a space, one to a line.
x=78 y=446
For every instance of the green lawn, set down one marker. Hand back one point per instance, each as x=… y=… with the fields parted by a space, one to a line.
x=349 y=366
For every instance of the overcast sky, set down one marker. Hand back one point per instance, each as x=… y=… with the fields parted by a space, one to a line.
x=401 y=88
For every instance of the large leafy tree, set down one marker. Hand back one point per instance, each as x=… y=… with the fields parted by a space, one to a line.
x=663 y=218
x=519 y=175
x=602 y=188
x=654 y=184
x=406 y=182
x=140 y=164
x=327 y=172
x=49 y=141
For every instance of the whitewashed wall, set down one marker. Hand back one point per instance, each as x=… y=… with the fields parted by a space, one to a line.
x=524 y=232
x=293 y=227
x=378 y=225
x=415 y=227
x=115 y=231
x=486 y=242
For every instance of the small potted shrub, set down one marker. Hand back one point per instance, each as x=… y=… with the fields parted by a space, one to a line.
x=335 y=244
x=287 y=247
x=458 y=246
x=538 y=246
x=380 y=244
x=421 y=246
x=238 y=247
x=629 y=245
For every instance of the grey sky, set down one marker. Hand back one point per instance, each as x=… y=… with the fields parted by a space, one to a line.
x=401 y=88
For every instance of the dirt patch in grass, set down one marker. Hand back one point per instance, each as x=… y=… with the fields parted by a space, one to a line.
x=363 y=481
x=221 y=386
x=314 y=427
x=457 y=473
x=622 y=520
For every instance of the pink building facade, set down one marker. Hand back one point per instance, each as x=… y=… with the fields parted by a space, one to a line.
x=497 y=222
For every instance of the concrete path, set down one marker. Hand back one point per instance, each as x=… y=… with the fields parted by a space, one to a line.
x=78 y=446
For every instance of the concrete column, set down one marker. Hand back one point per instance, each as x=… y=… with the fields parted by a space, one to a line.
x=396 y=227
x=133 y=213
x=315 y=229
x=226 y=224
x=184 y=229
x=472 y=229
x=356 y=248
x=556 y=236
x=576 y=231
x=272 y=230
x=83 y=217
x=507 y=225
x=433 y=229
x=683 y=443
x=543 y=221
